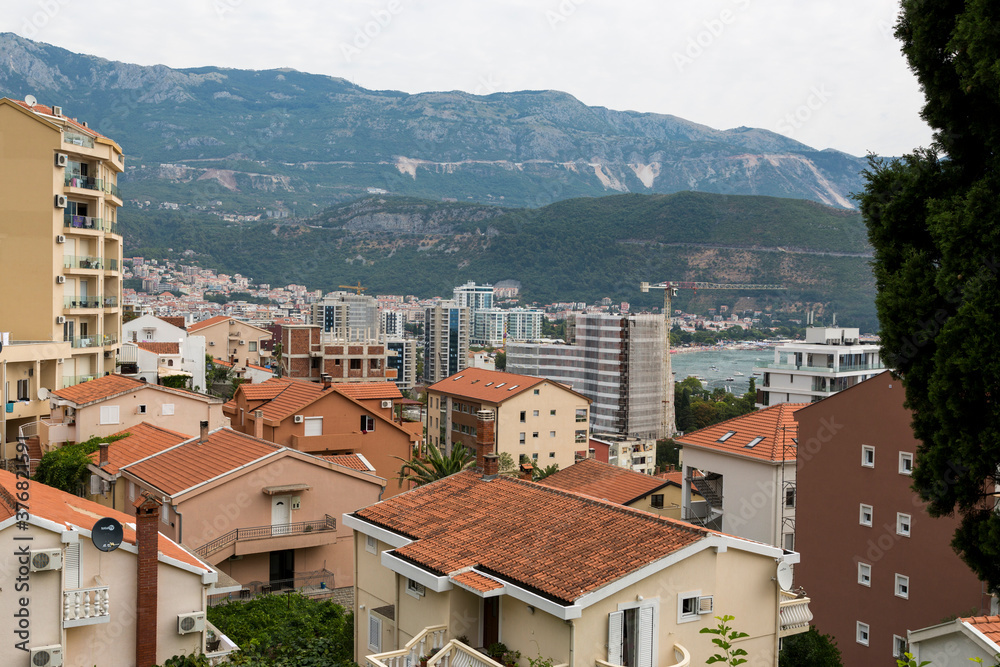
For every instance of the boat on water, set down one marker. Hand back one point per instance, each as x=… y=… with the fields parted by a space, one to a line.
x=739 y=373
x=730 y=379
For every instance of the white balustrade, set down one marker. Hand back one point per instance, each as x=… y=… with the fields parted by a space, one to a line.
x=86 y=606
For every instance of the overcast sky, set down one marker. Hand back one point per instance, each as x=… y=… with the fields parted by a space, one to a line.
x=828 y=74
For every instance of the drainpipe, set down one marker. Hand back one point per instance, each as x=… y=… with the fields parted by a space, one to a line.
x=180 y=524
x=572 y=641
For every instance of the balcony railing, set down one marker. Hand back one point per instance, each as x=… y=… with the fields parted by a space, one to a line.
x=316 y=584
x=795 y=614
x=85 y=182
x=84 y=341
x=78 y=139
x=82 y=301
x=429 y=642
x=112 y=189
x=86 y=606
x=682 y=658
x=265 y=532
x=82 y=222
x=110 y=301
x=82 y=262
x=71 y=380
x=111 y=264
x=824 y=369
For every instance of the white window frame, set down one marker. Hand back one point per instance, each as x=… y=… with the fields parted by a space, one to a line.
x=902 y=518
x=109 y=414
x=697 y=613
x=866 y=460
x=865 y=574
x=863 y=628
x=415 y=589
x=871 y=515
x=905 y=463
x=374 y=623
x=902 y=582
x=649 y=614
x=899 y=646
x=371 y=544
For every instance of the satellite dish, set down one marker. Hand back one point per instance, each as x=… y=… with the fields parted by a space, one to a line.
x=785 y=576
x=43 y=394
x=30 y=100
x=107 y=534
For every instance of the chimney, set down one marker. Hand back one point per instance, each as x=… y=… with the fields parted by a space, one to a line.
x=147 y=517
x=484 y=437
x=258 y=424
x=491 y=464
x=204 y=433
x=527 y=472
x=327 y=381
x=104 y=454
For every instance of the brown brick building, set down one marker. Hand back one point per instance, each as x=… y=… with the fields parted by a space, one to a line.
x=305 y=356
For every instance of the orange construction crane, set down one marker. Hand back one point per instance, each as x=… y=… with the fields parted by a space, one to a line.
x=670 y=288
x=357 y=287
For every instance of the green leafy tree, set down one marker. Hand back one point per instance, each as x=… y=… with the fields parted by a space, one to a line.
x=724 y=638
x=501 y=361
x=809 y=648
x=909 y=661
x=436 y=466
x=506 y=463
x=66 y=468
x=933 y=220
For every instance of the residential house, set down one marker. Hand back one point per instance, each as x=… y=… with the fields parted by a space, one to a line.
x=69 y=602
x=477 y=558
x=30 y=368
x=747 y=467
x=865 y=536
x=330 y=418
x=112 y=403
x=956 y=643
x=537 y=418
x=590 y=477
x=154 y=347
x=234 y=340
x=257 y=511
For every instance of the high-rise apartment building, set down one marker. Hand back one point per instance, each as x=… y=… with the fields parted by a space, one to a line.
x=617 y=362
x=446 y=340
x=60 y=256
x=474 y=297
x=350 y=317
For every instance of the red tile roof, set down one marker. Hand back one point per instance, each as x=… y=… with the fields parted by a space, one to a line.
x=159 y=348
x=46 y=110
x=476 y=581
x=69 y=510
x=98 y=389
x=360 y=391
x=591 y=477
x=556 y=543
x=143 y=440
x=282 y=397
x=191 y=463
x=478 y=384
x=988 y=625
x=178 y=321
x=776 y=426
x=353 y=461
x=207 y=323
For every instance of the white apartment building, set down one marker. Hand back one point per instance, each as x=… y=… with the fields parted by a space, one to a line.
x=393 y=323
x=830 y=360
x=446 y=340
x=345 y=316
x=474 y=297
x=495 y=326
x=635 y=454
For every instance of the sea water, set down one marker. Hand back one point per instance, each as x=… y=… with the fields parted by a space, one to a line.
x=717 y=366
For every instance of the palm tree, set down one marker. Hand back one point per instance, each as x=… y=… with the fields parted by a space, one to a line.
x=435 y=466
x=542 y=473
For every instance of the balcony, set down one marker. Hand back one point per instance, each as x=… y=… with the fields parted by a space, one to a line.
x=428 y=642
x=110 y=301
x=77 y=139
x=682 y=658
x=53 y=432
x=321 y=531
x=82 y=262
x=794 y=613
x=82 y=302
x=71 y=380
x=84 y=182
x=86 y=606
x=824 y=369
x=84 y=341
x=112 y=189
x=82 y=222
x=316 y=584
x=111 y=264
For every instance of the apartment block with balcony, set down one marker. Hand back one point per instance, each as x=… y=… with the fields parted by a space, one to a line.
x=60 y=250
x=447 y=330
x=830 y=360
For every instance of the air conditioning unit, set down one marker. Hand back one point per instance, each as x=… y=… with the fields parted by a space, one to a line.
x=141 y=410
x=60 y=280
x=60 y=239
x=211 y=343
x=46 y=656
x=60 y=319
x=56 y=111
x=243 y=342
x=298 y=419
x=107 y=354
x=61 y=201
x=386 y=404
x=62 y=159
x=43 y=560
x=193 y=622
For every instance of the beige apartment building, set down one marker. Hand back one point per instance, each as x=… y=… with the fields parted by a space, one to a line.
x=233 y=340
x=60 y=255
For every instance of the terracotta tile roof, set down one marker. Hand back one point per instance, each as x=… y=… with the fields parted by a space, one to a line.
x=98 y=389
x=69 y=510
x=988 y=625
x=46 y=110
x=283 y=397
x=558 y=544
x=476 y=581
x=222 y=362
x=159 y=348
x=261 y=392
x=143 y=440
x=488 y=386
x=676 y=478
x=360 y=391
x=591 y=477
x=775 y=426
x=353 y=461
x=179 y=468
x=178 y=322
x=207 y=323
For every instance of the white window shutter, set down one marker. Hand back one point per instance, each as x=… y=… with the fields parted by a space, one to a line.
x=616 y=623
x=95 y=485
x=647 y=630
x=706 y=604
x=113 y=411
x=374 y=633
x=72 y=566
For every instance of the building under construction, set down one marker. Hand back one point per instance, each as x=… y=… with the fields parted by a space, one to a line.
x=616 y=361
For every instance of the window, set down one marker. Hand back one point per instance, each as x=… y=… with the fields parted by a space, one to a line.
x=552 y=455
x=788 y=537
x=373 y=364
x=520 y=438
x=371 y=544
x=415 y=589
x=170 y=362
x=868 y=456
x=24 y=390
x=524 y=416
x=790 y=497
x=534 y=413
x=899 y=646
x=536 y=392
x=534 y=434
x=355 y=364
x=691 y=605
x=252 y=346
x=367 y=423
x=167 y=409
x=905 y=463
x=902 y=586
x=552 y=434
x=374 y=633
x=631 y=634
x=865 y=574
x=754 y=442
x=726 y=436
x=165 y=514
x=534 y=457
x=866 y=515
x=862 y=633
x=552 y=413
x=580 y=436
x=656 y=500
x=312 y=426
x=109 y=414
x=581 y=414
x=902 y=524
